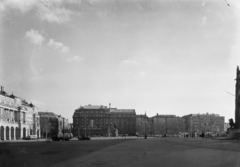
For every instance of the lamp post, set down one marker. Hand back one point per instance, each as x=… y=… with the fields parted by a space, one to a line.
x=85 y=125
x=145 y=129
x=63 y=131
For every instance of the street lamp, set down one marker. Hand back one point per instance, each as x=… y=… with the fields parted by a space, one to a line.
x=85 y=125
x=145 y=128
x=63 y=131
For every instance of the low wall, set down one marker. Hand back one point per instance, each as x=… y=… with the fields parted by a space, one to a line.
x=232 y=132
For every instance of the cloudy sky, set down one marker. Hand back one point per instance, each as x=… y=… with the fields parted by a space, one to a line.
x=167 y=57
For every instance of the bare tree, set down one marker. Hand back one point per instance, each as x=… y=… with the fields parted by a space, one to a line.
x=46 y=127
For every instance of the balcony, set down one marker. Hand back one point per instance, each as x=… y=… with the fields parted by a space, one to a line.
x=9 y=121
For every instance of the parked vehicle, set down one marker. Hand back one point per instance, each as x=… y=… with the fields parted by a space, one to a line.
x=83 y=137
x=31 y=137
x=60 y=136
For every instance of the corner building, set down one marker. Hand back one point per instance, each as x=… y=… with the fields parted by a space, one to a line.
x=197 y=124
x=18 y=118
x=99 y=120
x=58 y=124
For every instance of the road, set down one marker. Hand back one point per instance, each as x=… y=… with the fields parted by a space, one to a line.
x=47 y=153
x=163 y=152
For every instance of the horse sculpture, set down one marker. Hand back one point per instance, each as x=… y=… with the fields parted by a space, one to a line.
x=231 y=123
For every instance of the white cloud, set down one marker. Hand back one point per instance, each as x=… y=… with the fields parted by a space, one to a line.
x=75 y=58
x=142 y=73
x=36 y=103
x=54 y=14
x=21 y=5
x=58 y=46
x=48 y=10
x=131 y=61
x=35 y=37
x=204 y=19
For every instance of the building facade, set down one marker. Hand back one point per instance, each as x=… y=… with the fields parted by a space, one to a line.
x=18 y=118
x=53 y=124
x=168 y=124
x=99 y=120
x=226 y=126
x=144 y=125
x=122 y=121
x=159 y=125
x=197 y=124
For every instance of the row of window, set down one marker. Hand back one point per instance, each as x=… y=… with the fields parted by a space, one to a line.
x=6 y=102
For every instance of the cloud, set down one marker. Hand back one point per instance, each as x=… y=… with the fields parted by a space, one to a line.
x=142 y=74
x=35 y=102
x=75 y=58
x=58 y=46
x=204 y=19
x=35 y=37
x=54 y=14
x=21 y=5
x=131 y=61
x=48 y=10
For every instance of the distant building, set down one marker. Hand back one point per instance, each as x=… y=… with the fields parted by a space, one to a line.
x=144 y=125
x=18 y=118
x=124 y=120
x=206 y=123
x=53 y=124
x=226 y=126
x=99 y=120
x=159 y=125
x=168 y=124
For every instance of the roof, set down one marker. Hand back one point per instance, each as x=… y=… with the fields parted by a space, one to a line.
x=164 y=116
x=114 y=110
x=93 y=107
x=47 y=114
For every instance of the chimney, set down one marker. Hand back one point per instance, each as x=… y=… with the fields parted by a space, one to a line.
x=109 y=105
x=2 y=89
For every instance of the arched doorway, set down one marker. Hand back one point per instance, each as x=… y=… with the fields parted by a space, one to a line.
x=7 y=133
x=24 y=132
x=17 y=133
x=12 y=133
x=2 y=133
x=31 y=132
x=37 y=133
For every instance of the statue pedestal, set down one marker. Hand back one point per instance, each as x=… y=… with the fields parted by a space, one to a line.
x=232 y=132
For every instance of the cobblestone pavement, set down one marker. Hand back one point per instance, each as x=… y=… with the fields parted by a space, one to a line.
x=46 y=153
x=166 y=152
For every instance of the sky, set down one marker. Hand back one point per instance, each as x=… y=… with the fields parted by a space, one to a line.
x=156 y=56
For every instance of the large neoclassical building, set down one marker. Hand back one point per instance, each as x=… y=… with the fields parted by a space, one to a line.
x=99 y=120
x=18 y=118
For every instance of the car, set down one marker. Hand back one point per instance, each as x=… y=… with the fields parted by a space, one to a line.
x=27 y=138
x=83 y=137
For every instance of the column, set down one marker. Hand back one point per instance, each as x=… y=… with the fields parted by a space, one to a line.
x=4 y=133
x=21 y=133
x=9 y=134
x=14 y=133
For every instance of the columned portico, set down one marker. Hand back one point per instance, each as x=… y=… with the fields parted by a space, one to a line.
x=18 y=118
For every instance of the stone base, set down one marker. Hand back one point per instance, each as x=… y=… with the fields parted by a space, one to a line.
x=232 y=132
